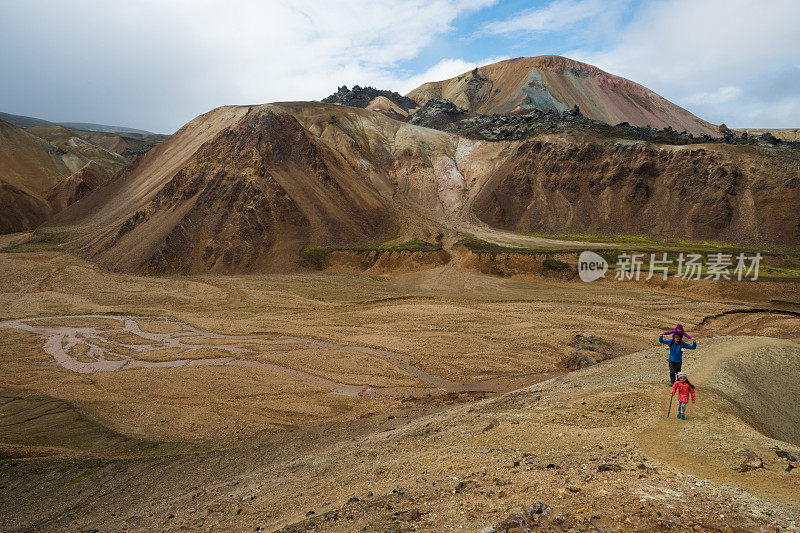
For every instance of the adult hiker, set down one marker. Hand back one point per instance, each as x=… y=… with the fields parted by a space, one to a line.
x=676 y=345
x=684 y=388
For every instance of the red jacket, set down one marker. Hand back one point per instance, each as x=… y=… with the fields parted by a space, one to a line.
x=683 y=391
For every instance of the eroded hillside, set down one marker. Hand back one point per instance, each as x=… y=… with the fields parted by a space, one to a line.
x=243 y=189
x=717 y=192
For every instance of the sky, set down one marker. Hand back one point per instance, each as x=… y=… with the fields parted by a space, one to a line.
x=156 y=64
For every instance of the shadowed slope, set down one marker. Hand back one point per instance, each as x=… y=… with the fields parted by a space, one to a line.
x=77 y=185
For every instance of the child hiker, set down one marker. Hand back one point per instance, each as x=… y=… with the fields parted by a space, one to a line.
x=684 y=389
x=676 y=345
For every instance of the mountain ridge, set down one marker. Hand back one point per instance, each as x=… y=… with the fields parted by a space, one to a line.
x=247 y=188
x=26 y=122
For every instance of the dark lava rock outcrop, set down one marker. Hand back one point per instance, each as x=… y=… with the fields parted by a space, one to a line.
x=362 y=96
x=439 y=114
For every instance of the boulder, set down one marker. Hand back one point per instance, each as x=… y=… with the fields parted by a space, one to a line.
x=751 y=462
x=786 y=456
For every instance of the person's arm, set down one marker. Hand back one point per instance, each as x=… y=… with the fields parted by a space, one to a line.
x=690 y=346
x=691 y=389
x=661 y=340
x=674 y=388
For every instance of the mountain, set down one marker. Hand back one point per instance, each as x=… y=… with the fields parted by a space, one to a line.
x=85 y=180
x=557 y=83
x=237 y=189
x=248 y=188
x=30 y=167
x=68 y=140
x=27 y=122
x=90 y=126
x=125 y=144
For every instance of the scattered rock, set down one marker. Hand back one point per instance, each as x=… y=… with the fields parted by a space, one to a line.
x=609 y=467
x=538 y=508
x=589 y=350
x=751 y=462
x=310 y=513
x=520 y=522
x=398 y=490
x=789 y=467
x=786 y=456
x=493 y=424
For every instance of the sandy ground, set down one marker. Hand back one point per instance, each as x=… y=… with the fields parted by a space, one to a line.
x=237 y=402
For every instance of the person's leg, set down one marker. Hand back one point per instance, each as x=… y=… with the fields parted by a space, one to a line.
x=672 y=372
x=681 y=409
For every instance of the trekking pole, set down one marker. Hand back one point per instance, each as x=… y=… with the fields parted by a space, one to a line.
x=670 y=404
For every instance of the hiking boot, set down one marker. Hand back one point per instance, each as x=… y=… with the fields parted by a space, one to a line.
x=678 y=415
x=683 y=417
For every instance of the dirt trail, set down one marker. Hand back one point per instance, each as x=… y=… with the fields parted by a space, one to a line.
x=61 y=341
x=47 y=283
x=717 y=421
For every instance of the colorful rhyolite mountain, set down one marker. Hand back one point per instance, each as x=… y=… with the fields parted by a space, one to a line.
x=558 y=83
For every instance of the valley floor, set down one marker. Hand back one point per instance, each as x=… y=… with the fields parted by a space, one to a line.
x=356 y=402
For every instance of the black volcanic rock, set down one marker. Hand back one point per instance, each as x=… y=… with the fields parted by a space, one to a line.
x=437 y=113
x=446 y=116
x=362 y=96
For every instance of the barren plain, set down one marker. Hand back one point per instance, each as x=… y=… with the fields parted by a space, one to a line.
x=433 y=400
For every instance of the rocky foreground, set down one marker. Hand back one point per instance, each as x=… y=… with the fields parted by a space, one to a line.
x=591 y=450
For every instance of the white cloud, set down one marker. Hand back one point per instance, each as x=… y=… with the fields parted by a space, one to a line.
x=156 y=64
x=444 y=69
x=697 y=53
x=554 y=17
x=720 y=96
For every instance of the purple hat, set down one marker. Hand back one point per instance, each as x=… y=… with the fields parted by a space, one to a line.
x=679 y=330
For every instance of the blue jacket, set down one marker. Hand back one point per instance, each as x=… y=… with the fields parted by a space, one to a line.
x=676 y=350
